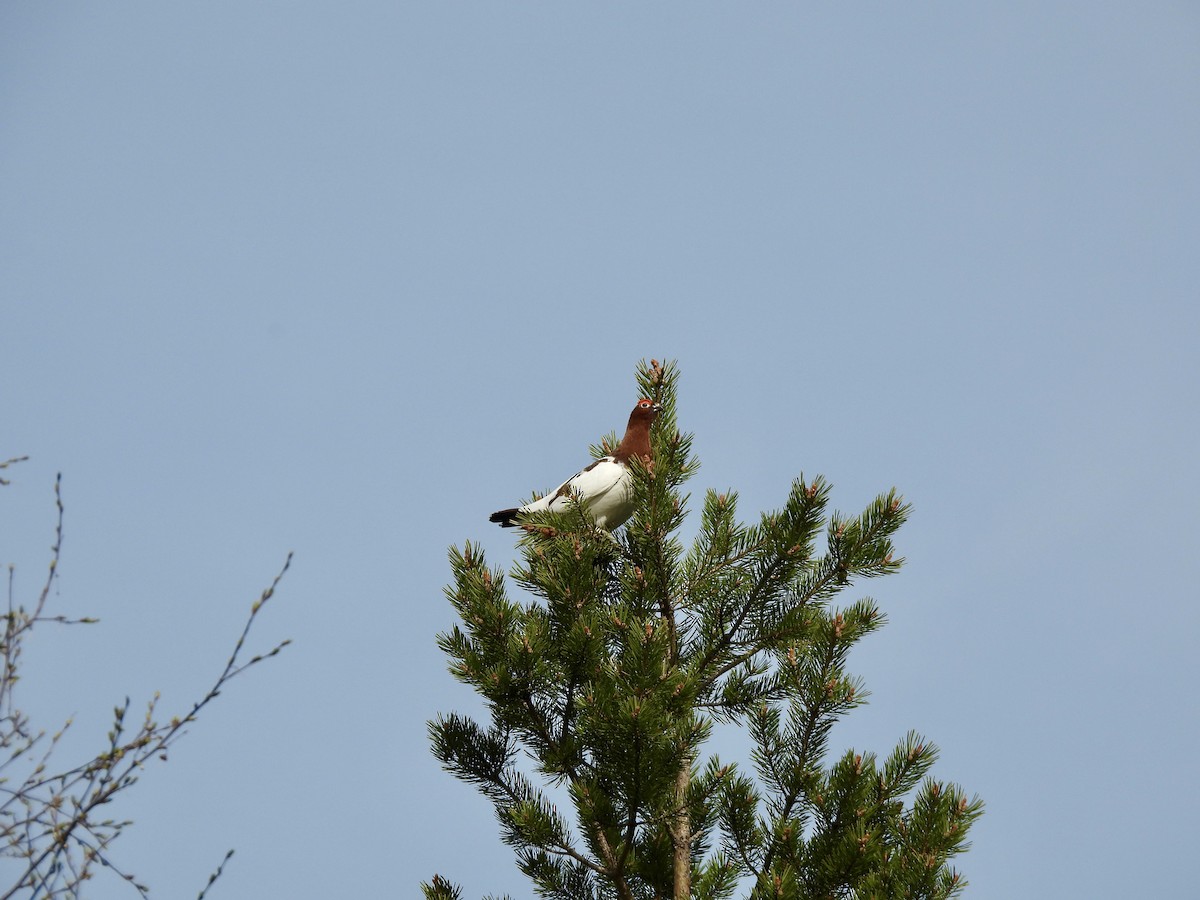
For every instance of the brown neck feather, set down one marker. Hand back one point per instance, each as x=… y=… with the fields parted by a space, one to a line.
x=637 y=436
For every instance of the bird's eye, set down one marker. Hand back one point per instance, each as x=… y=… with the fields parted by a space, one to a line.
x=645 y=404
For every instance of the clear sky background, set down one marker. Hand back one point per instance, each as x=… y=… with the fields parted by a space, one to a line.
x=344 y=278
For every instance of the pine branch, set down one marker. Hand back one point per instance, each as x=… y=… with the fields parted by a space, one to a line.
x=815 y=720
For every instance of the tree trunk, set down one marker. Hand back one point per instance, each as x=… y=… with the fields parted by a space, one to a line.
x=681 y=834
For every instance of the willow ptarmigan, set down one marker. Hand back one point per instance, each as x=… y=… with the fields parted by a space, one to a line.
x=605 y=487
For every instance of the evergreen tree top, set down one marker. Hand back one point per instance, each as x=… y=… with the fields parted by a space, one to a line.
x=629 y=649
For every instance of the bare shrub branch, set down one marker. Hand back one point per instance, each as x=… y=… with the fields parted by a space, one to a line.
x=50 y=817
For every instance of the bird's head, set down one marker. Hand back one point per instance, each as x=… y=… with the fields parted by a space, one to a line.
x=645 y=411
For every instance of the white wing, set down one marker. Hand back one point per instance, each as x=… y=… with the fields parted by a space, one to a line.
x=605 y=487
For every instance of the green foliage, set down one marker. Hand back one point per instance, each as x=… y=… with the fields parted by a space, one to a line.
x=610 y=677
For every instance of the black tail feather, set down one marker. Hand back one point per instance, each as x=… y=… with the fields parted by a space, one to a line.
x=506 y=518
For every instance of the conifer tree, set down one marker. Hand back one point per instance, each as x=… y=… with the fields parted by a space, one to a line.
x=612 y=675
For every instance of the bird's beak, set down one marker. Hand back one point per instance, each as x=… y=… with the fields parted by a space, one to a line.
x=657 y=407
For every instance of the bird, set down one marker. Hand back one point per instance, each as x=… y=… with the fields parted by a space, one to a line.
x=605 y=487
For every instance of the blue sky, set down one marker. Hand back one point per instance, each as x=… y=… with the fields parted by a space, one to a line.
x=341 y=279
